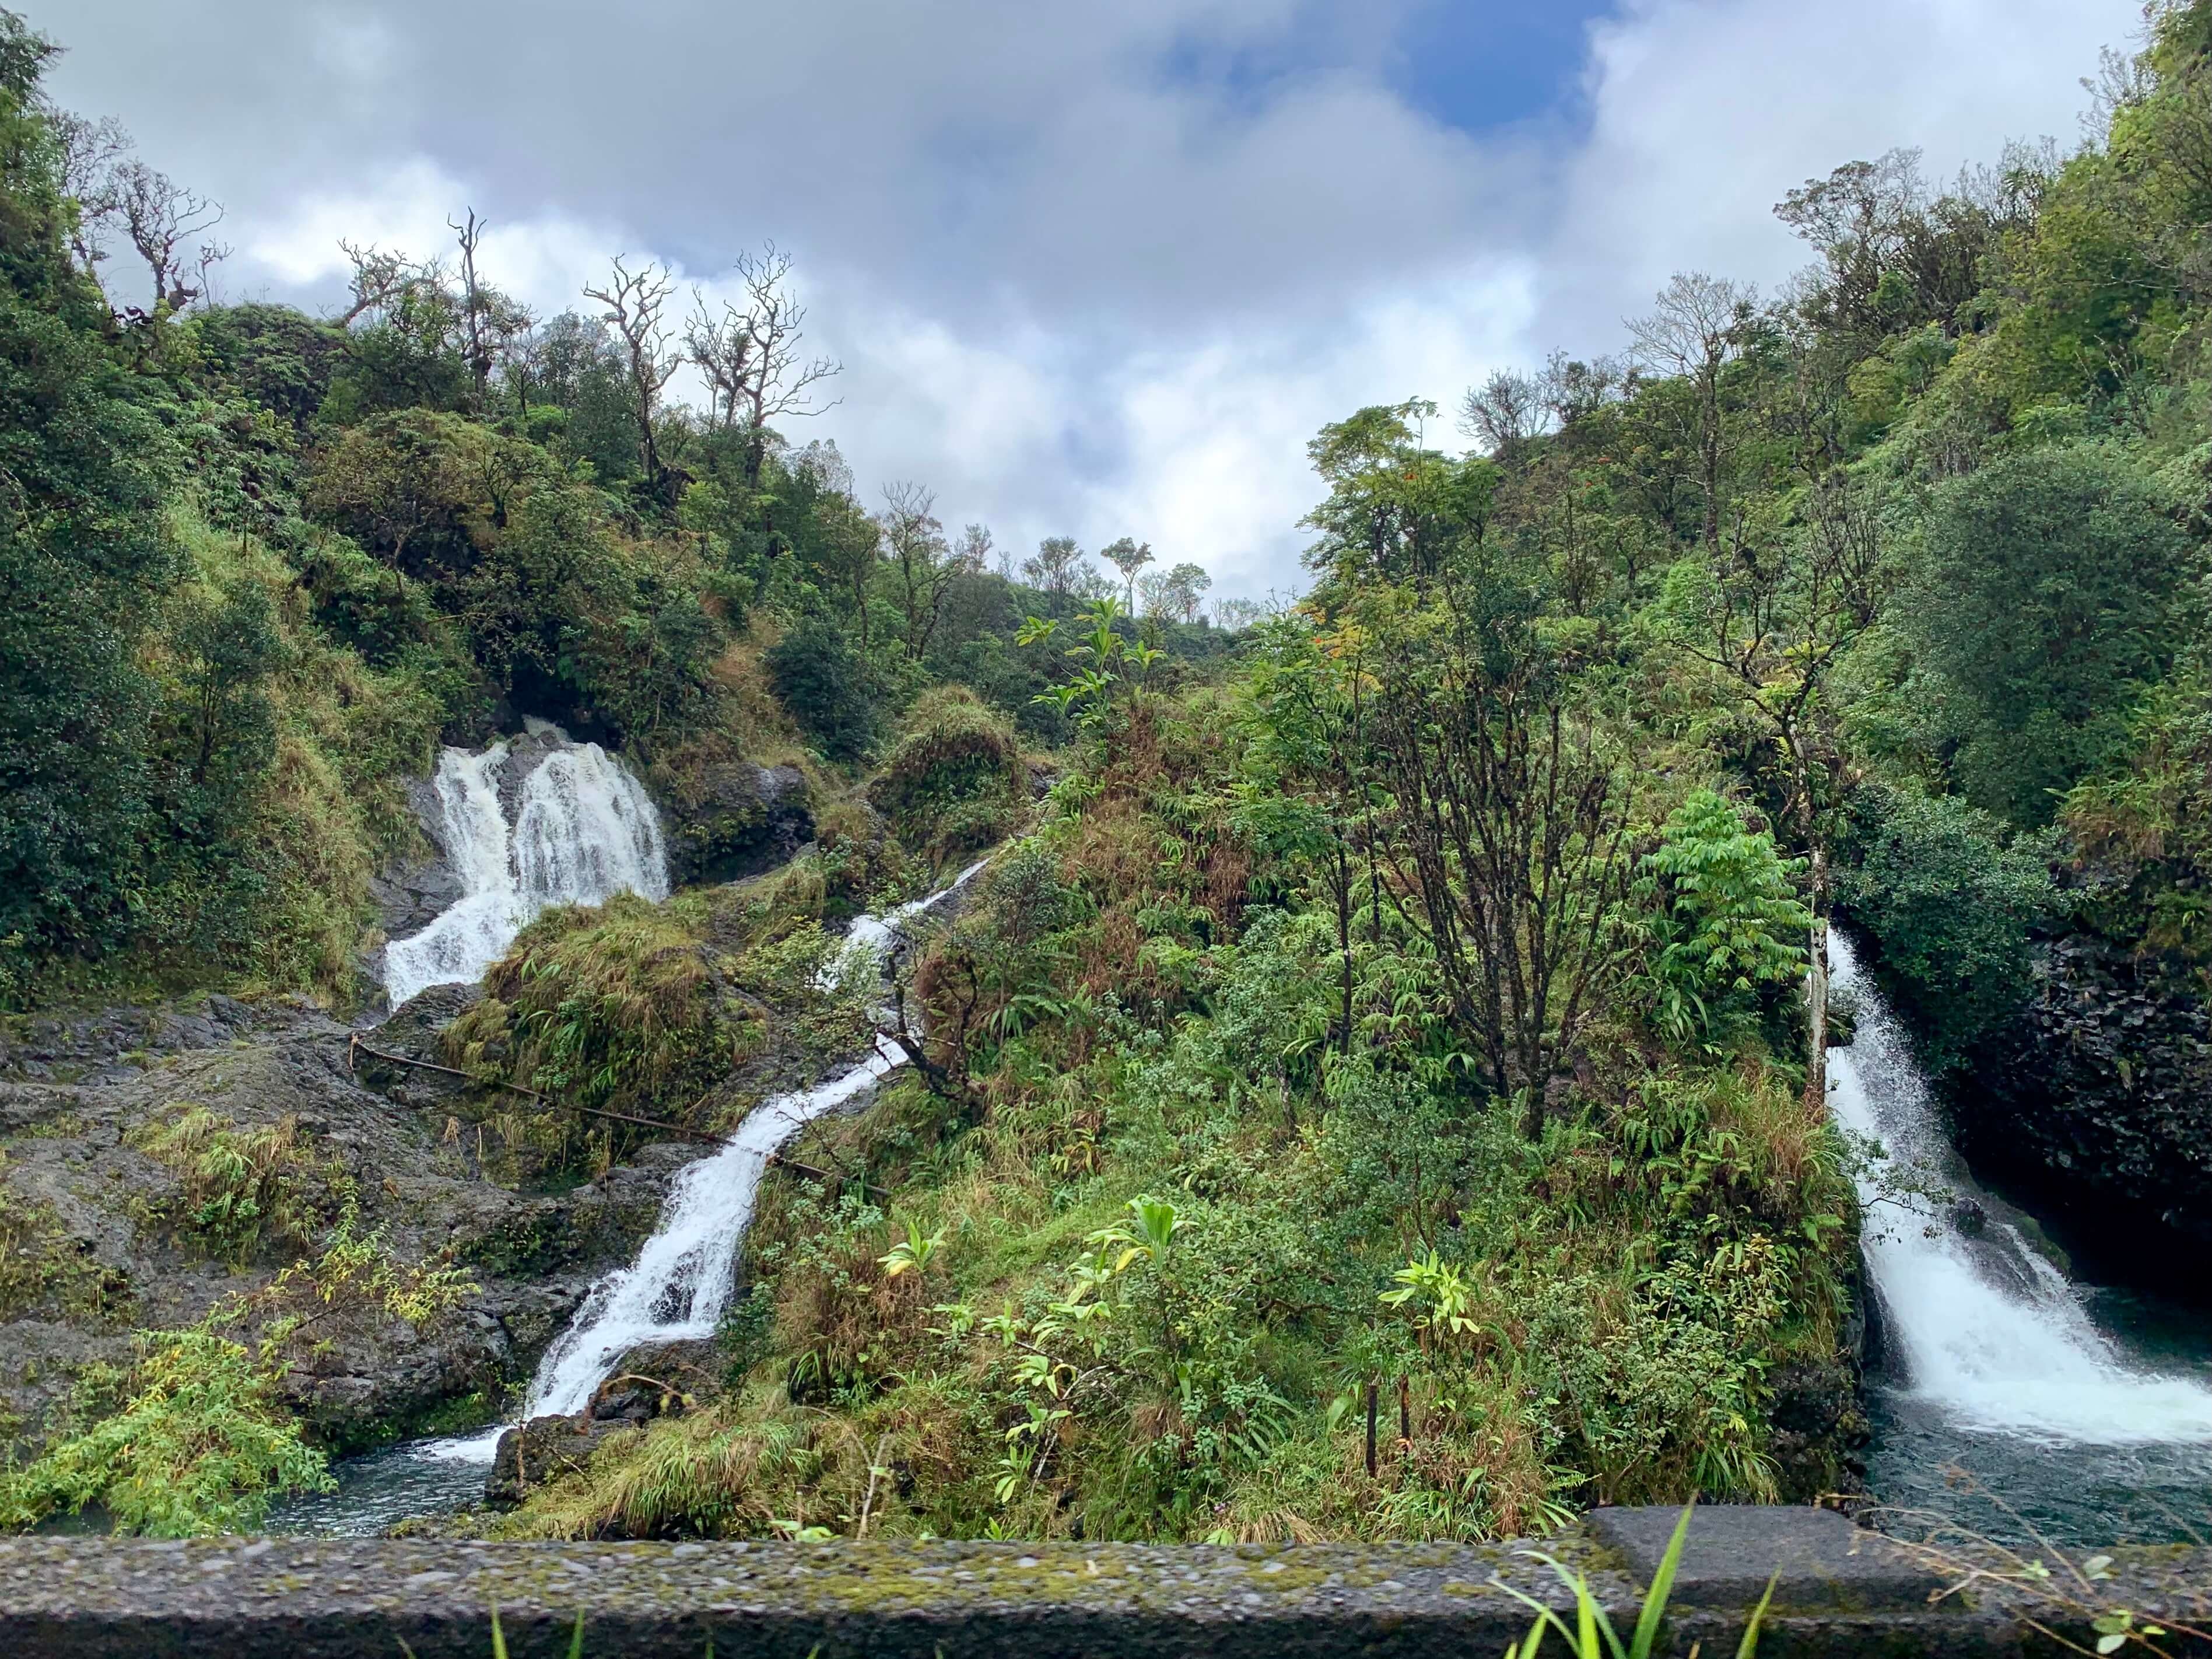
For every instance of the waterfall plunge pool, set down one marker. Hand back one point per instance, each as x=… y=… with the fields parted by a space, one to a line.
x=2003 y=1395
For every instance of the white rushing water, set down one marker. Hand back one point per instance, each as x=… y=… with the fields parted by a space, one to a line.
x=681 y=1283
x=1991 y=1334
x=584 y=831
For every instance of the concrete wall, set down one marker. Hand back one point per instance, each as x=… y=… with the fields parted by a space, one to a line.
x=1839 y=1591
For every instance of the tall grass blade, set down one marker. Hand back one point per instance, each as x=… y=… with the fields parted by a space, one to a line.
x=1662 y=1586
x=1748 y=1647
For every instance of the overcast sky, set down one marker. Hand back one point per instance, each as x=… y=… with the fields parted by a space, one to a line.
x=1092 y=268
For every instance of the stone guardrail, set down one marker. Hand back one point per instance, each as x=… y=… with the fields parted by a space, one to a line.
x=1839 y=1590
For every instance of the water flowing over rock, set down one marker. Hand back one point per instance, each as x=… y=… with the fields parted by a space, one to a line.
x=526 y=825
x=683 y=1279
x=1987 y=1329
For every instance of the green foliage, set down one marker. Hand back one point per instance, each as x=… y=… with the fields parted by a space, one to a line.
x=2144 y=827
x=614 y=1008
x=199 y=1446
x=241 y=1186
x=1724 y=916
x=953 y=781
x=825 y=684
x=84 y=542
x=2049 y=595
x=1951 y=905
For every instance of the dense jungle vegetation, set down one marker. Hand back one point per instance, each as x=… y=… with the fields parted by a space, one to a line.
x=1377 y=1089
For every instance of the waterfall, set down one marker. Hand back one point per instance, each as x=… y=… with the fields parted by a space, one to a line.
x=583 y=831
x=1991 y=1333
x=683 y=1276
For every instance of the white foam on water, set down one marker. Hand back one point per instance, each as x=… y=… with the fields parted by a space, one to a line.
x=682 y=1281
x=1992 y=1333
x=585 y=830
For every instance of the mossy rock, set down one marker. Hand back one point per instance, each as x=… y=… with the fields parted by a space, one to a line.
x=956 y=781
x=728 y=818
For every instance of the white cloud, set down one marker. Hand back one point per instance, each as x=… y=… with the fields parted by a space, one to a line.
x=1084 y=279
x=1706 y=112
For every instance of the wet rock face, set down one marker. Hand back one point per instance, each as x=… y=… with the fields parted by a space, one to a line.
x=733 y=819
x=413 y=893
x=2099 y=1103
x=546 y=1448
x=113 y=1044
x=1821 y=1429
x=75 y=1094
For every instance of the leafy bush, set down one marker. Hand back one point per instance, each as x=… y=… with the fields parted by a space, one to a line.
x=2050 y=591
x=612 y=1008
x=200 y=1445
x=242 y=1186
x=1950 y=904
x=1726 y=922
x=2143 y=829
x=954 y=781
x=825 y=684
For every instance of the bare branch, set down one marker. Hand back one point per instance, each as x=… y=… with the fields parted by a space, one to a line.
x=161 y=216
x=749 y=356
x=635 y=301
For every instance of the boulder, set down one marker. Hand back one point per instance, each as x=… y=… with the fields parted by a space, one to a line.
x=544 y=1449
x=731 y=819
x=661 y=1380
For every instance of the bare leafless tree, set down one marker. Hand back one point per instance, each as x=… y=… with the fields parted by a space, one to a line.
x=1780 y=608
x=1574 y=390
x=1057 y=566
x=91 y=151
x=1505 y=413
x=1510 y=851
x=1699 y=326
x=973 y=553
x=161 y=218
x=922 y=562
x=635 y=301
x=491 y=322
x=751 y=356
x=381 y=280
x=722 y=350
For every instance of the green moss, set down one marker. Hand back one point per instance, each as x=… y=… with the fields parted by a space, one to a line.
x=955 y=781
x=615 y=1009
x=240 y=1187
x=43 y=1270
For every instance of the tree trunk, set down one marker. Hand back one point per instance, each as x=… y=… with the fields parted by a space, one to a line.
x=1816 y=987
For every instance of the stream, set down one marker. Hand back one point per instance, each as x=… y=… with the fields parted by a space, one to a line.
x=2083 y=1412
x=584 y=832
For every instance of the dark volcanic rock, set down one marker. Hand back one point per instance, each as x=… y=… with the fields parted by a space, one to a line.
x=661 y=1378
x=546 y=1448
x=733 y=819
x=415 y=1177
x=2098 y=1104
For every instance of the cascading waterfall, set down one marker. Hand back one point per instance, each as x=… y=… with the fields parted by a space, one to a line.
x=1988 y=1331
x=681 y=1283
x=584 y=831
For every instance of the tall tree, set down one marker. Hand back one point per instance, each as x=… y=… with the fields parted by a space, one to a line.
x=635 y=301
x=1700 y=325
x=751 y=356
x=1128 y=556
x=1057 y=567
x=923 y=566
